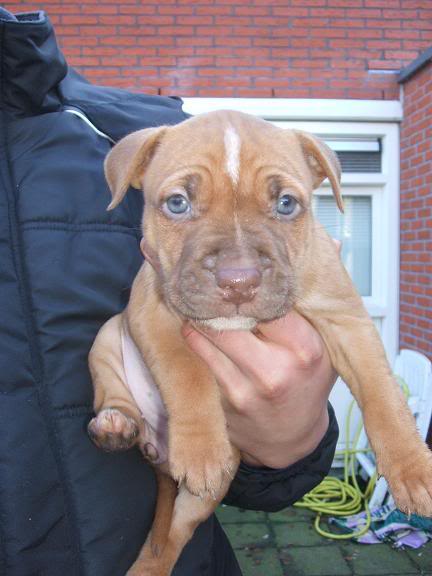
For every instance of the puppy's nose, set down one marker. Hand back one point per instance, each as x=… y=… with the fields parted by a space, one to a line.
x=239 y=284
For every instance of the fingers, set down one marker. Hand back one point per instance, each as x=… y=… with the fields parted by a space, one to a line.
x=267 y=363
x=291 y=335
x=241 y=347
x=295 y=334
x=244 y=376
x=225 y=371
x=279 y=349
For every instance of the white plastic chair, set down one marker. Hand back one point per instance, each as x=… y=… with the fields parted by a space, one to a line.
x=416 y=370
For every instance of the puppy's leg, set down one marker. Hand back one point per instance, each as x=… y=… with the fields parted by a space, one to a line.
x=118 y=423
x=200 y=453
x=166 y=495
x=330 y=302
x=189 y=512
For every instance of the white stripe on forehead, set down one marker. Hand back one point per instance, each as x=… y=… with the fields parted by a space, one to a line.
x=232 y=154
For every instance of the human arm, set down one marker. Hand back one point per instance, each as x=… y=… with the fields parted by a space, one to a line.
x=274 y=386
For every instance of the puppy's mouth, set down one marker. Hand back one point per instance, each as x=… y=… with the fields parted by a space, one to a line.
x=197 y=298
x=220 y=316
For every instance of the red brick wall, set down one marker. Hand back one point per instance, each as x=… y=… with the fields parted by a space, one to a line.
x=265 y=48
x=416 y=214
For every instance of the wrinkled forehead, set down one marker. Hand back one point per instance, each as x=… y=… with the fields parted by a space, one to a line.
x=232 y=145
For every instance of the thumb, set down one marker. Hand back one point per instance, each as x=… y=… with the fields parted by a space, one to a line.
x=219 y=364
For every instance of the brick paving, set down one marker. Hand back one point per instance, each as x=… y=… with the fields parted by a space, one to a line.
x=286 y=544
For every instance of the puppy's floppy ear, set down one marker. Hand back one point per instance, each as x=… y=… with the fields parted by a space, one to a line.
x=126 y=162
x=323 y=163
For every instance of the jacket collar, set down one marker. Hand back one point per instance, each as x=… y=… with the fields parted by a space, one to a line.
x=31 y=66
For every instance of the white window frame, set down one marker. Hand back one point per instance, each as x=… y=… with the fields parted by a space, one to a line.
x=383 y=187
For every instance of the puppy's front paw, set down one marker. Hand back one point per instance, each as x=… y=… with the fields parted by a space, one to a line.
x=203 y=461
x=411 y=483
x=112 y=430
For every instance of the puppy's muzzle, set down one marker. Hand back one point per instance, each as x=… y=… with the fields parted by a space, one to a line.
x=218 y=278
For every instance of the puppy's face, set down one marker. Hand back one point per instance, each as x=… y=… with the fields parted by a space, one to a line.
x=227 y=212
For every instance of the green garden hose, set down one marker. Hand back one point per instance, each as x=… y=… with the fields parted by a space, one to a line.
x=336 y=497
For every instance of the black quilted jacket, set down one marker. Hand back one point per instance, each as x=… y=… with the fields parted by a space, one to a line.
x=66 y=266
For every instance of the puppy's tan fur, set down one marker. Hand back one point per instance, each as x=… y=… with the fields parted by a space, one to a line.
x=233 y=222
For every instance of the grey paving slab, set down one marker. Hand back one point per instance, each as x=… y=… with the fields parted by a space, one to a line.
x=230 y=514
x=292 y=514
x=298 y=534
x=249 y=535
x=314 y=561
x=377 y=560
x=422 y=558
x=260 y=562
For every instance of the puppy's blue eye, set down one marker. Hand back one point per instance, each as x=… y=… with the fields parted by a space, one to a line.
x=286 y=205
x=177 y=204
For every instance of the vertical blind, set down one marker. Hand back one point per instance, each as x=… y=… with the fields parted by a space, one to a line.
x=354 y=230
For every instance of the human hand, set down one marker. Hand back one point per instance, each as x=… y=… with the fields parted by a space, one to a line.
x=274 y=385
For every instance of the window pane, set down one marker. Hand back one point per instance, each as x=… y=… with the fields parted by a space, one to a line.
x=354 y=229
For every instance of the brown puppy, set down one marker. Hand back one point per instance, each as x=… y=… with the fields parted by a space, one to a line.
x=231 y=241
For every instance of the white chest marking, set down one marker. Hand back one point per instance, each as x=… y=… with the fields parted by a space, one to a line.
x=232 y=154
x=232 y=323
